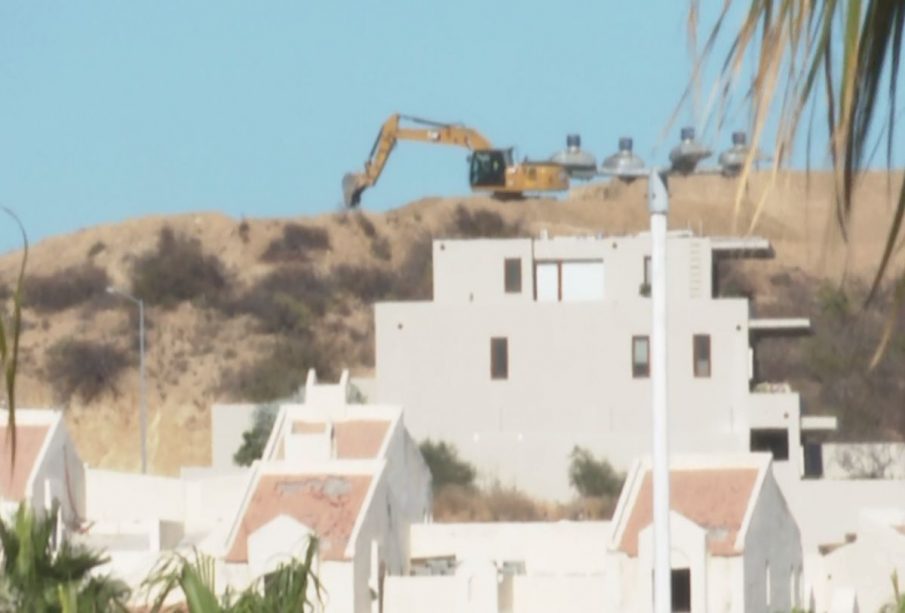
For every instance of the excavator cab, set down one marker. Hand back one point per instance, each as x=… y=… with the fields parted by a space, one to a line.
x=488 y=167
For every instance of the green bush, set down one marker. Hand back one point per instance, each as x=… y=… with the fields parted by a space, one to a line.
x=446 y=468
x=67 y=288
x=255 y=438
x=297 y=243
x=178 y=270
x=592 y=477
x=85 y=368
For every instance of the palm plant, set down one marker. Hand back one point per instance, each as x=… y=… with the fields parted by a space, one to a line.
x=9 y=342
x=845 y=52
x=288 y=589
x=44 y=576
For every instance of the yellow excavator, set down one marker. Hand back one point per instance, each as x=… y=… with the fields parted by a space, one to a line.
x=492 y=170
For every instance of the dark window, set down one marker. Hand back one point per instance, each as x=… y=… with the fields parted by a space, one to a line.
x=701 y=355
x=499 y=358
x=513 y=276
x=644 y=288
x=813 y=459
x=640 y=356
x=681 y=590
x=774 y=440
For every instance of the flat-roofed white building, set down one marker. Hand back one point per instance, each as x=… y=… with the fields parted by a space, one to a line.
x=532 y=346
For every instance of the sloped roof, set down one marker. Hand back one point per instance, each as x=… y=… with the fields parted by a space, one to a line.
x=328 y=504
x=14 y=476
x=716 y=499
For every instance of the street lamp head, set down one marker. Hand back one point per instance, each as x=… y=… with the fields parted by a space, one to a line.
x=624 y=164
x=732 y=160
x=685 y=156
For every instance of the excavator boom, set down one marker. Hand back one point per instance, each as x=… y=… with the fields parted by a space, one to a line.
x=492 y=170
x=390 y=133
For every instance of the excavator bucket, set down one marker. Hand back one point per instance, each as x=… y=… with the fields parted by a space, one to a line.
x=353 y=185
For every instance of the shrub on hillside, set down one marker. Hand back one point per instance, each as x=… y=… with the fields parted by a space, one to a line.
x=482 y=223
x=445 y=465
x=367 y=283
x=414 y=276
x=279 y=373
x=592 y=477
x=179 y=270
x=66 y=288
x=83 y=368
x=297 y=243
x=255 y=438
x=288 y=300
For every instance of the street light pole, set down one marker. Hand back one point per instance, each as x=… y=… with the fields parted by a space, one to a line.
x=143 y=396
x=658 y=204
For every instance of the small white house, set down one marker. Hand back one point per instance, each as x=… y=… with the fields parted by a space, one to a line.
x=47 y=468
x=735 y=545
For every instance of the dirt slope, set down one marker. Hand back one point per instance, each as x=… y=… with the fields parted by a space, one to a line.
x=193 y=350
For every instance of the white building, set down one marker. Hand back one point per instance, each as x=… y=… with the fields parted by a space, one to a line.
x=735 y=547
x=532 y=346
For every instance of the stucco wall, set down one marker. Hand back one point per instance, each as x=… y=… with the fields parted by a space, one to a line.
x=119 y=496
x=772 y=546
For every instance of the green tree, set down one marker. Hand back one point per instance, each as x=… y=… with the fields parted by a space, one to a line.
x=291 y=588
x=42 y=576
x=445 y=465
x=255 y=438
x=9 y=341
x=592 y=477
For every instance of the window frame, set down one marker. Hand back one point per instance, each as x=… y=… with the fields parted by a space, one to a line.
x=499 y=362
x=512 y=275
x=640 y=370
x=697 y=357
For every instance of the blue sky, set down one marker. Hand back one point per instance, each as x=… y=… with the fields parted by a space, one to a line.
x=112 y=109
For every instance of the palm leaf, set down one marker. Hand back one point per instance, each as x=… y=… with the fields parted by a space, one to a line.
x=9 y=343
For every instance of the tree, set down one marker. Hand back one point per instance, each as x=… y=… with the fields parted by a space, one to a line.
x=446 y=468
x=592 y=477
x=255 y=438
x=844 y=51
x=288 y=589
x=43 y=577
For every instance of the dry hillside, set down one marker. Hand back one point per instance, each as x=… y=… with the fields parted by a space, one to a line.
x=253 y=303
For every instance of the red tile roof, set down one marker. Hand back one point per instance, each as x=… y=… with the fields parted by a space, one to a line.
x=715 y=499
x=328 y=505
x=14 y=477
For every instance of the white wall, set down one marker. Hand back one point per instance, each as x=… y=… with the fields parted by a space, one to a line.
x=546 y=593
x=772 y=545
x=570 y=364
x=420 y=594
x=228 y=422
x=118 y=496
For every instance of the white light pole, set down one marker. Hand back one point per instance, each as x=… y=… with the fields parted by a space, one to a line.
x=143 y=408
x=658 y=204
x=627 y=166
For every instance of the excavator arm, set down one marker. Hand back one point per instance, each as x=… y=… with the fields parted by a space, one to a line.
x=391 y=132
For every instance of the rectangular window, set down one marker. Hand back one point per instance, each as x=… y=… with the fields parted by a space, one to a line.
x=499 y=358
x=640 y=357
x=513 y=275
x=774 y=440
x=681 y=590
x=701 y=355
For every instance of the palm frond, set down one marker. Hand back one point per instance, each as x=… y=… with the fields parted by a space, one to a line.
x=9 y=342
